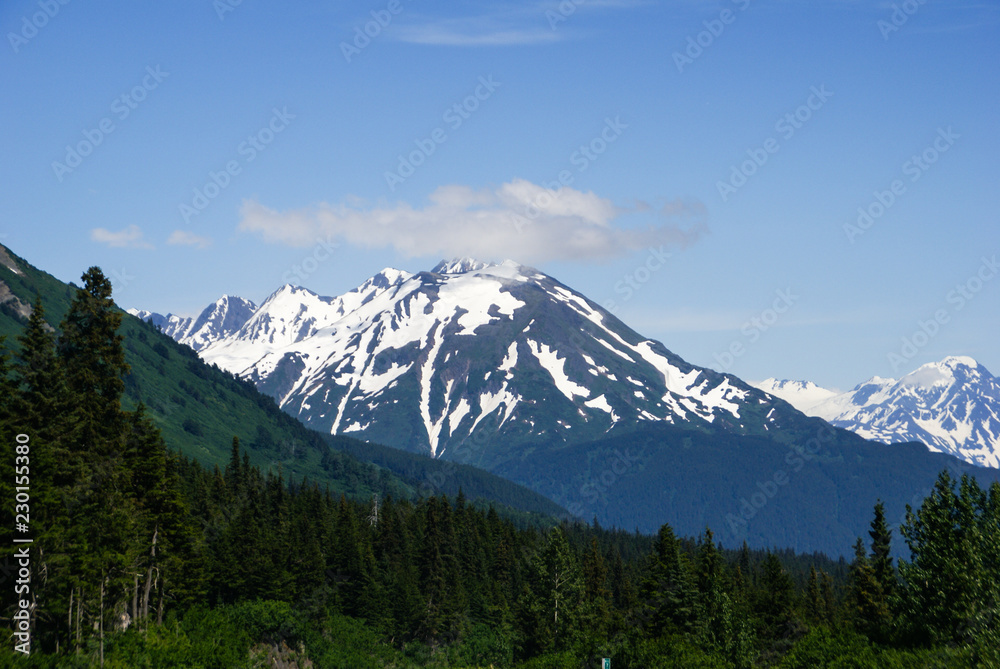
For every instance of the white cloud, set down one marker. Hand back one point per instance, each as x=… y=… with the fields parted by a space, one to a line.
x=130 y=237
x=185 y=238
x=518 y=220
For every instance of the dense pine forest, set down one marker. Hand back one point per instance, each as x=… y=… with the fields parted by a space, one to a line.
x=140 y=557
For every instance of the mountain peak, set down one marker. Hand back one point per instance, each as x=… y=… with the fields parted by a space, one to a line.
x=943 y=373
x=289 y=289
x=464 y=265
x=881 y=381
x=953 y=361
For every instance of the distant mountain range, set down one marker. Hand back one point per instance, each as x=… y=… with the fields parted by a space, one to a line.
x=503 y=367
x=952 y=406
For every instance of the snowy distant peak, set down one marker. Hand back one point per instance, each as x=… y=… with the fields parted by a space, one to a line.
x=222 y=318
x=800 y=394
x=227 y=308
x=219 y=320
x=952 y=406
x=389 y=276
x=947 y=372
x=172 y=325
x=288 y=289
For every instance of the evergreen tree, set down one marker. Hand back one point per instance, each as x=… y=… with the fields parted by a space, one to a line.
x=869 y=609
x=551 y=604
x=881 y=558
x=725 y=626
x=711 y=587
x=440 y=583
x=92 y=355
x=234 y=475
x=774 y=598
x=307 y=566
x=167 y=565
x=100 y=538
x=41 y=408
x=596 y=611
x=941 y=585
x=814 y=601
x=42 y=404
x=828 y=596
x=669 y=591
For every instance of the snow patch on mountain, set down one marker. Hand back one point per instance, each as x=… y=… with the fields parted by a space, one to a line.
x=555 y=366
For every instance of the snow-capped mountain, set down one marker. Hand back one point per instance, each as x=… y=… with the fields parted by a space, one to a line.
x=952 y=406
x=472 y=353
x=800 y=394
x=218 y=320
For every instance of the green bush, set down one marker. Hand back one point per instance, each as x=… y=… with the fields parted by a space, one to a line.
x=483 y=645
x=821 y=648
x=664 y=653
x=565 y=660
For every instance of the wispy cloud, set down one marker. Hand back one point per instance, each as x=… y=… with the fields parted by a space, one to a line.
x=443 y=34
x=186 y=238
x=503 y=25
x=518 y=220
x=130 y=237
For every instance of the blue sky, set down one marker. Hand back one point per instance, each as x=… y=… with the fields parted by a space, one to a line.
x=696 y=166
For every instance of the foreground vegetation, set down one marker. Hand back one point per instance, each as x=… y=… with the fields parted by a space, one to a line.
x=144 y=558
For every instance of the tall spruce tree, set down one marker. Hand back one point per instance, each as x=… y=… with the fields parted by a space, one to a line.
x=774 y=597
x=101 y=536
x=92 y=355
x=881 y=557
x=869 y=608
x=669 y=590
x=597 y=613
x=552 y=602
